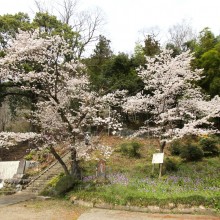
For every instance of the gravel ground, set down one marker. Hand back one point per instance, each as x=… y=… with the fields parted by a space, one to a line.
x=38 y=210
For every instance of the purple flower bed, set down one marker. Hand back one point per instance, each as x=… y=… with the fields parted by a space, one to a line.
x=171 y=183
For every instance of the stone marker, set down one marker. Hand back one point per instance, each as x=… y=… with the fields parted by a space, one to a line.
x=101 y=168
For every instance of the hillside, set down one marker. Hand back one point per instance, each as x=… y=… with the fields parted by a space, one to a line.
x=130 y=181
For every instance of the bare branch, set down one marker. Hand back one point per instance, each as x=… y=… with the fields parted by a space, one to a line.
x=181 y=33
x=87 y=25
x=69 y=10
x=39 y=6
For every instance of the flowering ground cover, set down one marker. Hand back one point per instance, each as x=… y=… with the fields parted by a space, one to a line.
x=195 y=183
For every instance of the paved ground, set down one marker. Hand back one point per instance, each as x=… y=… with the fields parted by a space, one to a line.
x=104 y=214
x=15 y=198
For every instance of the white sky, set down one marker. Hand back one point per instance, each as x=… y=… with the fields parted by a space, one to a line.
x=125 y=18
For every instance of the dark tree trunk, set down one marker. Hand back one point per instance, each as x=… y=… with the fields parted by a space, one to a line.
x=57 y=156
x=162 y=146
x=75 y=169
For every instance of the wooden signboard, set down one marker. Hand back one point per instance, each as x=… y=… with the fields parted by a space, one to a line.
x=158 y=159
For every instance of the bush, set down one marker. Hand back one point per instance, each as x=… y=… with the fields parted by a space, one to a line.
x=130 y=149
x=192 y=152
x=30 y=156
x=170 y=165
x=209 y=146
x=59 y=185
x=176 y=148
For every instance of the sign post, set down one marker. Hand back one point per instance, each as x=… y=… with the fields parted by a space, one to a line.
x=158 y=159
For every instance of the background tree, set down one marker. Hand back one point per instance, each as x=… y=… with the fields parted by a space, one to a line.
x=174 y=105
x=151 y=46
x=138 y=56
x=101 y=54
x=87 y=24
x=206 y=50
x=179 y=34
x=119 y=73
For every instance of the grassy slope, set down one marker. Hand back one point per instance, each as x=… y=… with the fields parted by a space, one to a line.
x=194 y=183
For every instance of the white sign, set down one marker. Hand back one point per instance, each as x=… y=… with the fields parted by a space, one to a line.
x=158 y=158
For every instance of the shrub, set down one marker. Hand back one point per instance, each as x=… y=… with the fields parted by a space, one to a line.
x=209 y=146
x=192 y=152
x=59 y=185
x=30 y=156
x=170 y=165
x=176 y=148
x=130 y=149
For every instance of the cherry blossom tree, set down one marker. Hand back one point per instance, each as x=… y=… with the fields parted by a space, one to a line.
x=65 y=105
x=174 y=105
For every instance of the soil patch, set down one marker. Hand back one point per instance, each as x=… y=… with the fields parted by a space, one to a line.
x=38 y=210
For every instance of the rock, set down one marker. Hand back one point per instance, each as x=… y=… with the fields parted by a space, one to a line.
x=103 y=205
x=138 y=209
x=171 y=205
x=202 y=208
x=83 y=203
x=154 y=208
x=73 y=198
x=121 y=207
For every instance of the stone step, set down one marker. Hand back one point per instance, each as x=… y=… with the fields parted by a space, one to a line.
x=38 y=184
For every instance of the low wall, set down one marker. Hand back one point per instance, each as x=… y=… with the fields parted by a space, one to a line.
x=8 y=169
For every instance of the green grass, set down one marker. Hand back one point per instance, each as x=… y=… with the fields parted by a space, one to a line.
x=161 y=195
x=194 y=183
x=131 y=181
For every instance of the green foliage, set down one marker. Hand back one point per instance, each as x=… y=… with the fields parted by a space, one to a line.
x=155 y=192
x=130 y=149
x=210 y=62
x=176 y=50
x=7 y=191
x=151 y=46
x=119 y=73
x=192 y=152
x=59 y=185
x=110 y=72
x=209 y=146
x=29 y=156
x=139 y=56
x=9 y=25
x=171 y=165
x=206 y=41
x=50 y=25
x=176 y=148
x=207 y=57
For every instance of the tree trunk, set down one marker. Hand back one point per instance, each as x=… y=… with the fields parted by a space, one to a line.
x=57 y=156
x=75 y=169
x=162 y=146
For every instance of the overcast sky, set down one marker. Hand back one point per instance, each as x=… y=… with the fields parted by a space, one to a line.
x=125 y=18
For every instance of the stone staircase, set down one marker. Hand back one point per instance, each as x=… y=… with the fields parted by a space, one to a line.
x=38 y=183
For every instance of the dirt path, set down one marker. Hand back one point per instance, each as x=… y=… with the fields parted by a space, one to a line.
x=41 y=210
